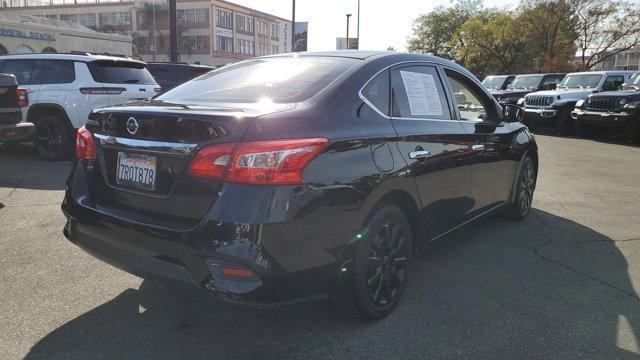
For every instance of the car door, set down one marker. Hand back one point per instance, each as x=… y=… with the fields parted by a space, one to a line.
x=493 y=168
x=432 y=143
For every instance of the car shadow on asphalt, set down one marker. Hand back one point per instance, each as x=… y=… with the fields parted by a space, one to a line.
x=607 y=137
x=21 y=168
x=545 y=287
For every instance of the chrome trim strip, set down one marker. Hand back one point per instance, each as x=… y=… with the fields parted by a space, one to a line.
x=468 y=221
x=160 y=147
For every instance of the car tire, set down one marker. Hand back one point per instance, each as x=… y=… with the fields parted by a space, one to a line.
x=381 y=265
x=54 y=139
x=585 y=131
x=520 y=206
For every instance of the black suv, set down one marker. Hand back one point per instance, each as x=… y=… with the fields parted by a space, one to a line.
x=524 y=84
x=168 y=75
x=611 y=110
x=294 y=177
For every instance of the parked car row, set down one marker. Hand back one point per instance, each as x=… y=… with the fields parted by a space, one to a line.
x=583 y=102
x=45 y=98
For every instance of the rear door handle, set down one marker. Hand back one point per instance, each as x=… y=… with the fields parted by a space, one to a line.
x=477 y=147
x=419 y=154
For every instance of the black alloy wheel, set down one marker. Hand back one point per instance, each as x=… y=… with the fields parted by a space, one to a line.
x=521 y=205
x=381 y=265
x=53 y=139
x=387 y=264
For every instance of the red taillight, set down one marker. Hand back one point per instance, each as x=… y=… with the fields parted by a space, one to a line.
x=236 y=272
x=21 y=97
x=258 y=162
x=85 y=146
x=102 y=90
x=212 y=161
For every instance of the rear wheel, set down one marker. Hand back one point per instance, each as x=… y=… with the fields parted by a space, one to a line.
x=53 y=138
x=521 y=204
x=381 y=265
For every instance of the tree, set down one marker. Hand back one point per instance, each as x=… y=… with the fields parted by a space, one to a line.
x=548 y=27
x=434 y=32
x=149 y=14
x=605 y=28
x=492 y=42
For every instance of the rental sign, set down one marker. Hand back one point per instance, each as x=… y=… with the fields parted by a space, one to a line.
x=27 y=34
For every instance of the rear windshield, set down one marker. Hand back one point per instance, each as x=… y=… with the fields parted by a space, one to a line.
x=277 y=80
x=120 y=72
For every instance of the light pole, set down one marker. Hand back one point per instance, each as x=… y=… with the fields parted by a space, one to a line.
x=293 y=24
x=358 y=28
x=348 y=16
x=155 y=36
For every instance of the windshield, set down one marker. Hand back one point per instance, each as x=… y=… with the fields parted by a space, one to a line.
x=525 y=82
x=634 y=82
x=580 y=81
x=494 y=82
x=277 y=80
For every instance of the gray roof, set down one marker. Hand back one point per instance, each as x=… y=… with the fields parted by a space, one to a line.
x=52 y=24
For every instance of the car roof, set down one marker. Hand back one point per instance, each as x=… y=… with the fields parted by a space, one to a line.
x=541 y=74
x=603 y=72
x=169 y=64
x=74 y=57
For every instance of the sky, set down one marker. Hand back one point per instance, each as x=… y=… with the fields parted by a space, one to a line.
x=383 y=24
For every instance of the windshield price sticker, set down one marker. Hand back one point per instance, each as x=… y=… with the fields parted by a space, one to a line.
x=422 y=93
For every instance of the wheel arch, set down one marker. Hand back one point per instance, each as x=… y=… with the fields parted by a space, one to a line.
x=409 y=207
x=38 y=110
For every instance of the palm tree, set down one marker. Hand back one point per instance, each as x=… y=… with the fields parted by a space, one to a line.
x=148 y=13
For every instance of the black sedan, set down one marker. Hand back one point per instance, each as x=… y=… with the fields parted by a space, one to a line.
x=296 y=177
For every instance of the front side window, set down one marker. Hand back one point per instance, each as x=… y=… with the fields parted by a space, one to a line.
x=22 y=69
x=468 y=100
x=377 y=92
x=417 y=92
x=613 y=82
x=273 y=80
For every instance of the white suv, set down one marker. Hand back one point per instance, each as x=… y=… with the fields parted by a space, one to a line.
x=62 y=89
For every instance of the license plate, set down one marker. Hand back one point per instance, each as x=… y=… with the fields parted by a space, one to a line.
x=136 y=170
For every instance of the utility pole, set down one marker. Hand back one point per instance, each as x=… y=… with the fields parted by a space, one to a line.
x=293 y=24
x=348 y=16
x=173 y=31
x=155 y=36
x=358 y=28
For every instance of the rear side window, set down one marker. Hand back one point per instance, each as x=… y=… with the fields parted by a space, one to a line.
x=377 y=92
x=417 y=92
x=277 y=80
x=54 y=72
x=22 y=69
x=120 y=72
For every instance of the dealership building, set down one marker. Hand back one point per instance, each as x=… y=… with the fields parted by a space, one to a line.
x=20 y=34
x=213 y=32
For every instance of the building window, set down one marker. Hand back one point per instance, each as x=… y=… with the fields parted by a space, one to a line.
x=263 y=49
x=263 y=28
x=224 y=44
x=115 y=18
x=275 y=30
x=191 y=16
x=225 y=19
x=196 y=41
x=244 y=23
x=244 y=47
x=54 y=16
x=88 y=20
x=275 y=49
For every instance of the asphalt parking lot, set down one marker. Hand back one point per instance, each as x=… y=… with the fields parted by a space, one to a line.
x=562 y=284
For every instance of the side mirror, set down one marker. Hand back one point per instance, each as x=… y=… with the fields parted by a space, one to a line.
x=511 y=112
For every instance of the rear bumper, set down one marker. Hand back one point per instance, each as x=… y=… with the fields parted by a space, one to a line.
x=16 y=132
x=610 y=120
x=288 y=263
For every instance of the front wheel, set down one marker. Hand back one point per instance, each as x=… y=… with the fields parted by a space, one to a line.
x=381 y=265
x=565 y=123
x=520 y=206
